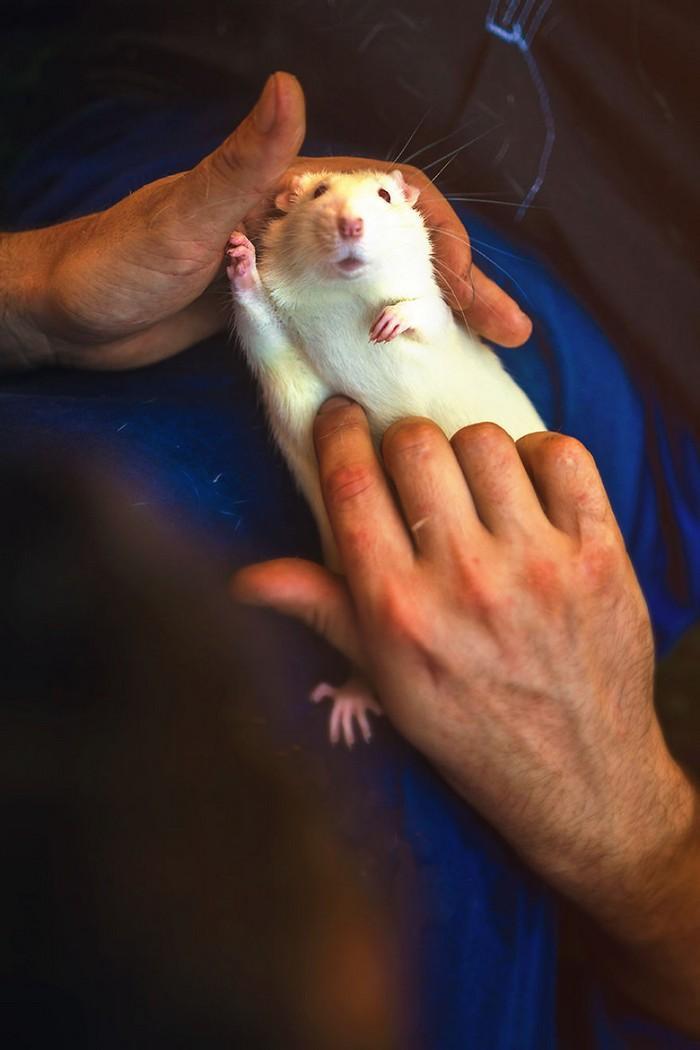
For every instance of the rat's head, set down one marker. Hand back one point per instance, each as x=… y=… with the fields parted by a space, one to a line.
x=341 y=226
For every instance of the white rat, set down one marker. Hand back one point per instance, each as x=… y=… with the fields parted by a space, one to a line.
x=346 y=268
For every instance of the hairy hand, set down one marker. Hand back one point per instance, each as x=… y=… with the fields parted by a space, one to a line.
x=137 y=282
x=497 y=613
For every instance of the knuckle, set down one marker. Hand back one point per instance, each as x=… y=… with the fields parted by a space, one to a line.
x=477 y=589
x=411 y=438
x=543 y=577
x=347 y=482
x=528 y=444
x=563 y=453
x=235 y=163
x=482 y=438
x=230 y=159
x=599 y=561
x=335 y=421
x=396 y=613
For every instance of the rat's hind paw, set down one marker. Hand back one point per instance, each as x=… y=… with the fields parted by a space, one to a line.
x=351 y=701
x=391 y=322
x=241 y=269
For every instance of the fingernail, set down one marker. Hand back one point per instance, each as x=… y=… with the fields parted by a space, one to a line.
x=266 y=107
x=334 y=402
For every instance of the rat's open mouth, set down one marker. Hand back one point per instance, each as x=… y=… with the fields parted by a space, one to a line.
x=351 y=264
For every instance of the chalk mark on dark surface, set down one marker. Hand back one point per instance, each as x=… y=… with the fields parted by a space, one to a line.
x=518 y=26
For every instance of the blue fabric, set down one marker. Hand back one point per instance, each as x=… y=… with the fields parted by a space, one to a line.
x=477 y=929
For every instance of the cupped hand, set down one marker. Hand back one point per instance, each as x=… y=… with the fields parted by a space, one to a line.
x=496 y=611
x=137 y=282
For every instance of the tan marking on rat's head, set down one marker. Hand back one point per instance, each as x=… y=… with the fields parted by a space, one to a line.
x=351 y=224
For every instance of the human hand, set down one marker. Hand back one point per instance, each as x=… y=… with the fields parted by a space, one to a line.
x=498 y=616
x=135 y=283
x=488 y=310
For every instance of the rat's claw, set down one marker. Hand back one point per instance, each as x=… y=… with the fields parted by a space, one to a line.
x=388 y=325
x=365 y=727
x=351 y=701
x=241 y=270
x=335 y=722
x=323 y=691
x=348 y=728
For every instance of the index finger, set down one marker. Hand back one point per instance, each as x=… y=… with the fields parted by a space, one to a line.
x=366 y=523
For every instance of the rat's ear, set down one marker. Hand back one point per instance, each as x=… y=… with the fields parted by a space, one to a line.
x=288 y=197
x=410 y=193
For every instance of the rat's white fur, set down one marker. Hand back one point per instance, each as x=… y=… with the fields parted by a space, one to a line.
x=305 y=324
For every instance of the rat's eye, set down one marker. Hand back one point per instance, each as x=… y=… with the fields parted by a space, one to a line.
x=320 y=190
x=384 y=194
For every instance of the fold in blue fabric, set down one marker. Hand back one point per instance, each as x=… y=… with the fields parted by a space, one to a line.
x=478 y=930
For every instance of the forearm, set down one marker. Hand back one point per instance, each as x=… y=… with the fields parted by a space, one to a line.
x=23 y=344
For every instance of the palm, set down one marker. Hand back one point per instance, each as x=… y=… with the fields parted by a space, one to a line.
x=136 y=286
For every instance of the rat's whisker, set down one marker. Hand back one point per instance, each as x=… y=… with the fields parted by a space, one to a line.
x=445 y=165
x=475 y=240
x=481 y=193
x=503 y=271
x=437 y=142
x=448 y=233
x=410 y=138
x=479 y=251
x=468 y=277
x=440 y=266
x=485 y=200
x=482 y=298
x=464 y=277
x=501 y=251
x=465 y=145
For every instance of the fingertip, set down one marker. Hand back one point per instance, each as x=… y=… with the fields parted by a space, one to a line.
x=515 y=328
x=289 y=87
x=336 y=401
x=493 y=314
x=291 y=104
x=242 y=586
x=264 y=583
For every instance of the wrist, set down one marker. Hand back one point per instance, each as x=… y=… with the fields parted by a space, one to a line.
x=23 y=343
x=650 y=948
x=644 y=892
x=668 y=879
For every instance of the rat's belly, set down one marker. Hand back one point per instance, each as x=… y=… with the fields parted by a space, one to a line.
x=386 y=377
x=455 y=383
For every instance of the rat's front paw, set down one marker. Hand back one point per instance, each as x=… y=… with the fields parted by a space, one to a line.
x=392 y=321
x=351 y=702
x=241 y=269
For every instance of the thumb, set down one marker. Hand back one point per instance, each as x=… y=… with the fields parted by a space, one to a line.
x=214 y=196
x=308 y=592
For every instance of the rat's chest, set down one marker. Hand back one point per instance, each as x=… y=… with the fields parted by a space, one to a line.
x=390 y=379
x=337 y=347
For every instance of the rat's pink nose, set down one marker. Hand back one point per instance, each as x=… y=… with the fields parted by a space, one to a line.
x=350 y=227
